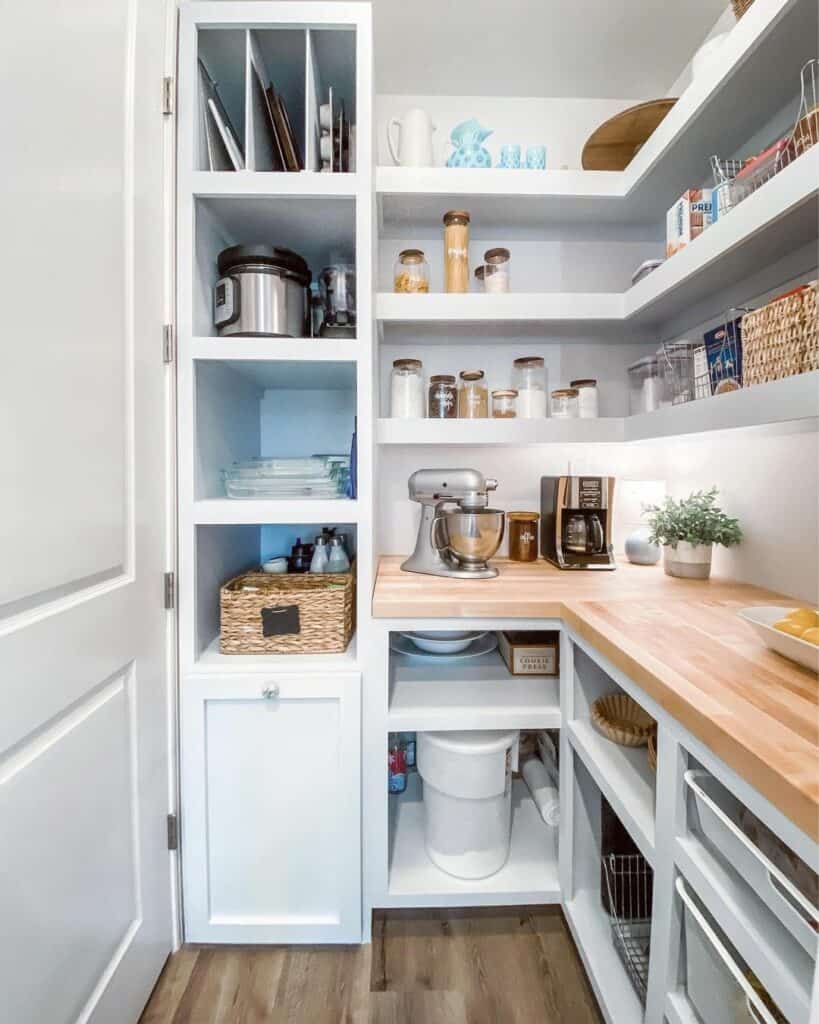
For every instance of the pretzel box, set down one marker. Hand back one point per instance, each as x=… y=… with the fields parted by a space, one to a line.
x=688 y=218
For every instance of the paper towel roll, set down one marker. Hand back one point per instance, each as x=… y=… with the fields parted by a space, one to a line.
x=545 y=795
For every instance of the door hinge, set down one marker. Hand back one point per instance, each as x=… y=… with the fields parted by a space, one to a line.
x=167 y=343
x=170 y=590
x=167 y=95
x=173 y=832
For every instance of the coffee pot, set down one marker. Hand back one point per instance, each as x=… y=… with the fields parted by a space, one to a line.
x=414 y=145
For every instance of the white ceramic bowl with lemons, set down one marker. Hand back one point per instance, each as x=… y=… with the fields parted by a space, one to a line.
x=791 y=632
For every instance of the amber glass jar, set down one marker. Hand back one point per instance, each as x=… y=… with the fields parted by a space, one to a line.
x=523 y=536
x=473 y=396
x=456 y=251
x=443 y=397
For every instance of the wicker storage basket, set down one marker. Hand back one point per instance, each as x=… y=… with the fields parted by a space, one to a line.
x=622 y=720
x=293 y=613
x=652 y=751
x=740 y=7
x=781 y=339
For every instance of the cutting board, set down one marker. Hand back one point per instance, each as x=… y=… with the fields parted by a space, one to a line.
x=612 y=146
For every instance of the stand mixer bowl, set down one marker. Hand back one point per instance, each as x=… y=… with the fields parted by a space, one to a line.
x=472 y=537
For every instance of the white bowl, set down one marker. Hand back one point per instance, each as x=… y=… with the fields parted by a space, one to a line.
x=447 y=634
x=440 y=644
x=762 y=618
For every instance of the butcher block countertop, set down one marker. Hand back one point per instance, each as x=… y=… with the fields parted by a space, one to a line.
x=681 y=641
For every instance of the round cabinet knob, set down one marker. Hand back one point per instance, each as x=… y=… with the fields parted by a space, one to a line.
x=270 y=692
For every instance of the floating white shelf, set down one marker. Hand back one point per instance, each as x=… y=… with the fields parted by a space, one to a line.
x=272 y=184
x=529 y=875
x=212 y=660
x=499 y=431
x=778 y=218
x=712 y=116
x=779 y=401
x=591 y=928
x=478 y=307
x=625 y=779
x=243 y=349
x=479 y=693
x=231 y=511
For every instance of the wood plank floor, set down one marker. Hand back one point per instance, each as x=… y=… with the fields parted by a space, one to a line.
x=478 y=966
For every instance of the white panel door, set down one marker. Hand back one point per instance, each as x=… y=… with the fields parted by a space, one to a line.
x=271 y=828
x=85 y=896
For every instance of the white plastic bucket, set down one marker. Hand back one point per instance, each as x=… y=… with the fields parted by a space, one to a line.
x=467 y=799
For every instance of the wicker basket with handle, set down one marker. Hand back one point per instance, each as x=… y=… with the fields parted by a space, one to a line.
x=293 y=613
x=782 y=338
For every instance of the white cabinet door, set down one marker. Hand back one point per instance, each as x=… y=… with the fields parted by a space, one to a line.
x=85 y=873
x=271 y=826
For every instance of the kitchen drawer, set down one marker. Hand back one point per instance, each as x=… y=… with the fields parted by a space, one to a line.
x=714 y=817
x=716 y=982
x=271 y=815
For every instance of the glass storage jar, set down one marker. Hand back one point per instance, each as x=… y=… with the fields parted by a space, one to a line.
x=523 y=536
x=529 y=380
x=411 y=271
x=504 y=404
x=443 y=397
x=407 y=390
x=586 y=397
x=645 y=386
x=564 y=404
x=456 y=251
x=496 y=272
x=473 y=397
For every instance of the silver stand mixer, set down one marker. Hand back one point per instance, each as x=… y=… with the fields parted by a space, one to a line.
x=457 y=541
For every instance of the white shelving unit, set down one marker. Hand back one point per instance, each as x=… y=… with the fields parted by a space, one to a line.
x=780 y=401
x=244 y=397
x=623 y=776
x=529 y=875
x=478 y=693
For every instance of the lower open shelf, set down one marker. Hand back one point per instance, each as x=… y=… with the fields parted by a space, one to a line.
x=529 y=875
x=212 y=660
x=591 y=928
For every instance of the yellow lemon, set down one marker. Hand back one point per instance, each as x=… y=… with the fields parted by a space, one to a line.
x=811 y=635
x=788 y=626
x=806 y=617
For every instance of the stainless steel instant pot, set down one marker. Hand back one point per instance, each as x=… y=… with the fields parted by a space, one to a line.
x=262 y=290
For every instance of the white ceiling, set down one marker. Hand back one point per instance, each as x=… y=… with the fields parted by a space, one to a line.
x=620 y=49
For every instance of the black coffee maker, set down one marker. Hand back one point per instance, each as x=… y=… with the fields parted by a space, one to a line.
x=575 y=521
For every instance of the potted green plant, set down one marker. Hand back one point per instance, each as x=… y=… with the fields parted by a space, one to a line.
x=688 y=529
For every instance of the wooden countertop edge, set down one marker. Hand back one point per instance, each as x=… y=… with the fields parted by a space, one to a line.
x=666 y=687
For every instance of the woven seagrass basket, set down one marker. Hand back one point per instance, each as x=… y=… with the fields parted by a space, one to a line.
x=292 y=613
x=782 y=338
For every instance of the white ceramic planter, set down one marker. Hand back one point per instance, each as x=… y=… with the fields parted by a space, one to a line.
x=690 y=561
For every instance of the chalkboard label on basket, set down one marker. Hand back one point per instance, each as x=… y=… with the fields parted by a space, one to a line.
x=281 y=621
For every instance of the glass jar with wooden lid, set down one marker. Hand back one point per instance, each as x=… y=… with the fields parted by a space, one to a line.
x=411 y=271
x=496 y=275
x=473 y=396
x=443 y=397
x=586 y=397
x=564 y=404
x=504 y=404
x=456 y=251
x=529 y=378
x=523 y=535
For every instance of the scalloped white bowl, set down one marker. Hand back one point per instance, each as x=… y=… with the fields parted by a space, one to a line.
x=762 y=618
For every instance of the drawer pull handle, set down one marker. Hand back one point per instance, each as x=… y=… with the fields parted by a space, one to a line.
x=759 y=1009
x=271 y=692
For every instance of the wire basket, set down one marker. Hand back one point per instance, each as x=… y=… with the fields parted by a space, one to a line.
x=629 y=883
x=676 y=363
x=735 y=180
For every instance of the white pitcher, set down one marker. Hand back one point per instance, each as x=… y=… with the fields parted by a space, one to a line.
x=415 y=139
